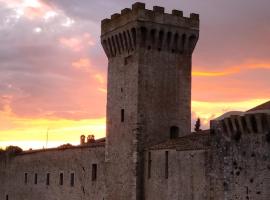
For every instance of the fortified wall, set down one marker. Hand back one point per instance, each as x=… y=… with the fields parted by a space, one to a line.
x=240 y=155
x=75 y=173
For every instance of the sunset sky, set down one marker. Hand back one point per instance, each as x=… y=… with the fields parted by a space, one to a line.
x=53 y=69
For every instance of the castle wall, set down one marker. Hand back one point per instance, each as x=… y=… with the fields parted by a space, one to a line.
x=187 y=175
x=240 y=163
x=67 y=161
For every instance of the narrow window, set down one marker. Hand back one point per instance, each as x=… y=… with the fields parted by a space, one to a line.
x=6 y=197
x=166 y=164
x=48 y=179
x=94 y=172
x=174 y=132
x=149 y=165
x=25 y=178
x=122 y=115
x=72 y=179
x=36 y=177
x=61 y=179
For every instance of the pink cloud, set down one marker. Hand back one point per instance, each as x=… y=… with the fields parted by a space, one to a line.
x=82 y=63
x=77 y=43
x=31 y=9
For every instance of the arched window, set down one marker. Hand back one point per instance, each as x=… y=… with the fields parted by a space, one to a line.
x=174 y=132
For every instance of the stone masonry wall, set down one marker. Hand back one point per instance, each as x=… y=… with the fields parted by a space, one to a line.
x=67 y=161
x=240 y=163
x=149 y=89
x=187 y=175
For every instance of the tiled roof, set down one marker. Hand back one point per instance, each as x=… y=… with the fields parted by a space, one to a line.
x=98 y=143
x=193 y=141
x=264 y=106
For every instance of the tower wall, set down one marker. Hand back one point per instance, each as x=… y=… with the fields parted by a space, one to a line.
x=149 y=88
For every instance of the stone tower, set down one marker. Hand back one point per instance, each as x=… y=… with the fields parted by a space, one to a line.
x=149 y=89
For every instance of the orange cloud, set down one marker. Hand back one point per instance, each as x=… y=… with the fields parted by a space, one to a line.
x=83 y=63
x=211 y=110
x=233 y=69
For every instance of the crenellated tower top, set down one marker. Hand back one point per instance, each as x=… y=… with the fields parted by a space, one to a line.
x=153 y=29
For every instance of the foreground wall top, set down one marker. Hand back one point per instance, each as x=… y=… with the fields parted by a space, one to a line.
x=157 y=15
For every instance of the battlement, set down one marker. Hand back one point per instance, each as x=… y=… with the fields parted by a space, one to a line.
x=157 y=15
x=152 y=29
x=235 y=126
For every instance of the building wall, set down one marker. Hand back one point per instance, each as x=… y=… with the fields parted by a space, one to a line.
x=240 y=163
x=149 y=80
x=75 y=160
x=187 y=175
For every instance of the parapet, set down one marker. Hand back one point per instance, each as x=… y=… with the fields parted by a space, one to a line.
x=233 y=127
x=157 y=15
x=152 y=30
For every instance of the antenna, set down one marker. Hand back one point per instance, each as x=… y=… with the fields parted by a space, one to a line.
x=47 y=138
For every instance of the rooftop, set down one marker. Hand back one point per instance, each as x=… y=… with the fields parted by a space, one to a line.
x=264 y=106
x=97 y=143
x=193 y=141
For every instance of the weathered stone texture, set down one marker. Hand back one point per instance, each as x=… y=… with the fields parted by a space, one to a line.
x=187 y=178
x=149 y=79
x=240 y=163
x=74 y=160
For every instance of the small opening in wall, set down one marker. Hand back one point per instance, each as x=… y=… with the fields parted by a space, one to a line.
x=122 y=115
x=122 y=90
x=166 y=164
x=174 y=132
x=224 y=127
x=61 y=179
x=268 y=137
x=7 y=197
x=72 y=179
x=149 y=165
x=48 y=179
x=36 y=177
x=25 y=178
x=94 y=172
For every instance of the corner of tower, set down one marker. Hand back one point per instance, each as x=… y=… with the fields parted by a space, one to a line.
x=120 y=33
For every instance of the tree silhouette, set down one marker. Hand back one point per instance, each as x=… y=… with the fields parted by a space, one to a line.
x=198 y=125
